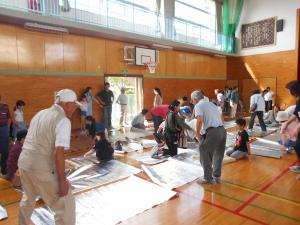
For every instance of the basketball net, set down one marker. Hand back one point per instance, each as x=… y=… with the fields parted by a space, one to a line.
x=151 y=66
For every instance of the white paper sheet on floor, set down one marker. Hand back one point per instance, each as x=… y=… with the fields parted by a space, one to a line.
x=94 y=175
x=146 y=158
x=229 y=124
x=113 y=203
x=3 y=213
x=173 y=173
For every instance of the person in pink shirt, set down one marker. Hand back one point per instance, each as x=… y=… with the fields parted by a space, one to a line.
x=288 y=139
x=159 y=113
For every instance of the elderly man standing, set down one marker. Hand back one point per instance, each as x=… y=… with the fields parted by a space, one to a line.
x=42 y=162
x=212 y=141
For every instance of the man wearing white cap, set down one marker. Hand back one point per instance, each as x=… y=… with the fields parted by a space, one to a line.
x=42 y=163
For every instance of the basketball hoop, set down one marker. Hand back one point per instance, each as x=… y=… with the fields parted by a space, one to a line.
x=151 y=66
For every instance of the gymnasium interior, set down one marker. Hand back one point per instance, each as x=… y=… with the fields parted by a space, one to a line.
x=139 y=46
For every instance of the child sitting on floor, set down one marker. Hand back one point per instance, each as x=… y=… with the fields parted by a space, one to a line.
x=93 y=127
x=241 y=148
x=139 y=119
x=287 y=141
x=102 y=147
x=13 y=157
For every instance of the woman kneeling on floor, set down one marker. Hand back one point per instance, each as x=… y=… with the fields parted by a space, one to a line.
x=241 y=148
x=102 y=147
x=173 y=126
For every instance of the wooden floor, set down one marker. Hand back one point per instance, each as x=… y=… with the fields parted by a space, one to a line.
x=257 y=190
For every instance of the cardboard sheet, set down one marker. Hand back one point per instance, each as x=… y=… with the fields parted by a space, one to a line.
x=173 y=173
x=111 y=204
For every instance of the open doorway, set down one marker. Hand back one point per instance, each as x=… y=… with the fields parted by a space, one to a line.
x=133 y=85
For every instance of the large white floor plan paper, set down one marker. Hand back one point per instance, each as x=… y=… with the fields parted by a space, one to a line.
x=229 y=124
x=89 y=176
x=173 y=173
x=145 y=157
x=112 y=204
x=3 y=213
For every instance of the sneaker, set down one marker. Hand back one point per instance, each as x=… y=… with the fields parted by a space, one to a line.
x=298 y=177
x=217 y=180
x=204 y=181
x=290 y=150
x=295 y=169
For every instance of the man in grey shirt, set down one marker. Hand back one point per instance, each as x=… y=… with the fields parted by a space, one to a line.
x=212 y=142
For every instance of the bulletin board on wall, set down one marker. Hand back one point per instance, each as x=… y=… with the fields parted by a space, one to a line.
x=259 y=33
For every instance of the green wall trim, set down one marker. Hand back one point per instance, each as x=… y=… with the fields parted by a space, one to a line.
x=50 y=73
x=100 y=74
x=182 y=77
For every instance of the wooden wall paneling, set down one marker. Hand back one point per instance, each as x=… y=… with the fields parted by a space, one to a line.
x=202 y=65
x=161 y=67
x=191 y=64
x=180 y=63
x=8 y=47
x=44 y=88
x=74 y=53
x=170 y=62
x=249 y=85
x=216 y=66
x=31 y=50
x=95 y=54
x=54 y=53
x=114 y=59
x=232 y=83
x=177 y=88
x=281 y=66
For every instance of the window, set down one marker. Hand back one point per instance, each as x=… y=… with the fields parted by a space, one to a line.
x=200 y=12
x=195 y=20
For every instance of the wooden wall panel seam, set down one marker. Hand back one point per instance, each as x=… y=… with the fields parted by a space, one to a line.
x=50 y=73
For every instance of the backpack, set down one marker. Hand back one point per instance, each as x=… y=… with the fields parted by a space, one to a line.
x=170 y=133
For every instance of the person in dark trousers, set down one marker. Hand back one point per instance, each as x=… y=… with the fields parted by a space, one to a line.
x=106 y=98
x=257 y=107
x=241 y=148
x=104 y=150
x=4 y=134
x=173 y=126
x=212 y=137
x=158 y=115
x=294 y=88
x=14 y=153
x=93 y=127
x=268 y=97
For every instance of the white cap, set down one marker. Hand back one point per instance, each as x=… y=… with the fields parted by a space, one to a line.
x=282 y=116
x=66 y=95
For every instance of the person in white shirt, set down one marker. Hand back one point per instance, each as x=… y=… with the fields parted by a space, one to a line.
x=42 y=162
x=83 y=113
x=139 y=119
x=123 y=101
x=212 y=143
x=220 y=98
x=18 y=119
x=268 y=99
x=290 y=110
x=227 y=93
x=257 y=108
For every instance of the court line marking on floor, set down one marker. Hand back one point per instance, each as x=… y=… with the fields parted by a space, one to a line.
x=254 y=205
x=221 y=207
x=269 y=184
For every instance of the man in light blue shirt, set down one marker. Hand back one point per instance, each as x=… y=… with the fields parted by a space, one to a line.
x=212 y=141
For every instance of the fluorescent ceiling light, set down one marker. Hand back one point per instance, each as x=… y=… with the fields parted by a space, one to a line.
x=162 y=46
x=45 y=28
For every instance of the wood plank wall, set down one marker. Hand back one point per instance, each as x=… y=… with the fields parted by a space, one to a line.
x=29 y=59
x=280 y=67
